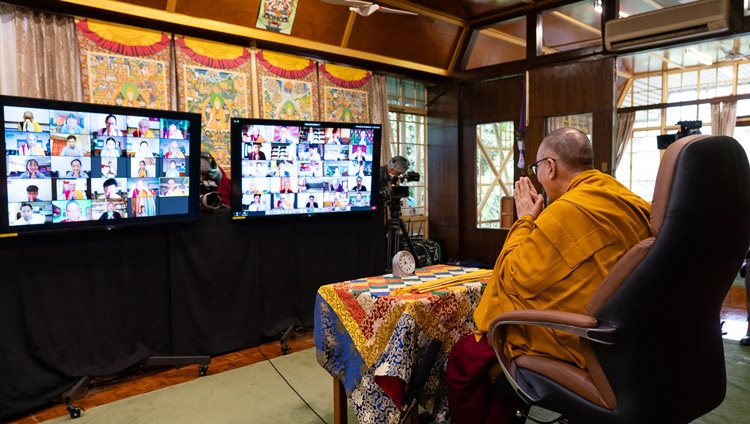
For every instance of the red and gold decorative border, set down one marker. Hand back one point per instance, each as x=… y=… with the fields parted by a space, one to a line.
x=345 y=77
x=122 y=39
x=117 y=59
x=217 y=92
x=212 y=54
x=287 y=86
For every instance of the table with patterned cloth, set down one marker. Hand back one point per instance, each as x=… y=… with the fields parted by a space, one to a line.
x=369 y=338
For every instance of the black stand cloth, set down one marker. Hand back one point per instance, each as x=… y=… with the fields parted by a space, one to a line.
x=94 y=303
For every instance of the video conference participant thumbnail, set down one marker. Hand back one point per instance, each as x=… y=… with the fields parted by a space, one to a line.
x=70 y=167
x=142 y=193
x=109 y=188
x=20 y=190
x=72 y=189
x=69 y=122
x=28 y=167
x=71 y=210
x=27 y=213
x=173 y=186
x=110 y=209
x=26 y=143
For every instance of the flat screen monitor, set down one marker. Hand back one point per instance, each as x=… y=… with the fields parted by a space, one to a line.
x=76 y=165
x=303 y=168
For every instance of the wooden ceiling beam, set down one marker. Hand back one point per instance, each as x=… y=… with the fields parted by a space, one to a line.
x=171 y=6
x=162 y=20
x=517 y=12
x=577 y=23
x=462 y=49
x=411 y=7
x=348 y=29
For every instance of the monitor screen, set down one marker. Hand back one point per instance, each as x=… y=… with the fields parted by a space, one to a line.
x=76 y=165
x=282 y=168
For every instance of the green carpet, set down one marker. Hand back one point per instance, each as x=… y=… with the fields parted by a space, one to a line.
x=251 y=394
x=735 y=408
x=258 y=394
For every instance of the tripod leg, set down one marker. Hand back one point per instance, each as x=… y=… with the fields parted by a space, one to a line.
x=393 y=245
x=409 y=244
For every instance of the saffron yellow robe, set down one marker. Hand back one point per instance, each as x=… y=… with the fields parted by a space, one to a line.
x=558 y=260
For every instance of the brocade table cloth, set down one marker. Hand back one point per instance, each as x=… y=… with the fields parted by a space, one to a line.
x=371 y=339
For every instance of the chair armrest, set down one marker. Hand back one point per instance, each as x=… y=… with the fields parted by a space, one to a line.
x=578 y=324
x=581 y=325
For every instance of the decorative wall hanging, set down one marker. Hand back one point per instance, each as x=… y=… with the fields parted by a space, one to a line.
x=122 y=65
x=277 y=15
x=213 y=79
x=346 y=94
x=287 y=86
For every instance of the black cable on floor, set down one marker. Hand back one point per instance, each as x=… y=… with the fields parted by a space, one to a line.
x=292 y=387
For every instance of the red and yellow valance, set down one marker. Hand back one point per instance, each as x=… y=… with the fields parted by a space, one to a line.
x=285 y=66
x=345 y=77
x=122 y=39
x=212 y=54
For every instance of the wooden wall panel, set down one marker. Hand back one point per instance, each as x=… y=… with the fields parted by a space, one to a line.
x=419 y=39
x=443 y=169
x=556 y=90
x=483 y=102
x=229 y=11
x=488 y=51
x=308 y=24
x=570 y=89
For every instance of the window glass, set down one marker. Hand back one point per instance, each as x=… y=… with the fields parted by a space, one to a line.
x=494 y=170
x=409 y=138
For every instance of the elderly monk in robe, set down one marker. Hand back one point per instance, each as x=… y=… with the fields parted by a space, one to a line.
x=553 y=258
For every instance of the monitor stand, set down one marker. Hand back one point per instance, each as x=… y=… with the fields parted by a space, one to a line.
x=83 y=383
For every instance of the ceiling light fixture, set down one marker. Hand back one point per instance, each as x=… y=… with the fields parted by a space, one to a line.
x=698 y=56
x=598 y=6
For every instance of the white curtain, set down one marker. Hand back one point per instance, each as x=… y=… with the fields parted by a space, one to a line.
x=625 y=121
x=723 y=118
x=47 y=56
x=8 y=82
x=380 y=115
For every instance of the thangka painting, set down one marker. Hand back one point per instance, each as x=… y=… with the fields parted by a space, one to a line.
x=213 y=79
x=346 y=94
x=123 y=66
x=277 y=15
x=287 y=86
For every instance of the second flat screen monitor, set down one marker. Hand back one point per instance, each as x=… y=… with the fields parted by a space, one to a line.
x=303 y=168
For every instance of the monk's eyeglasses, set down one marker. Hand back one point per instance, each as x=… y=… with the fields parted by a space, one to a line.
x=535 y=165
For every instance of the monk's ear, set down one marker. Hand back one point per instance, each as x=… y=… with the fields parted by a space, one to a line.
x=553 y=170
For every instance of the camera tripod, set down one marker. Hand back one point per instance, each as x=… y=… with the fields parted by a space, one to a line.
x=396 y=230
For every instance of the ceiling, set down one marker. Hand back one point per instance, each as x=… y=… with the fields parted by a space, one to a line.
x=445 y=38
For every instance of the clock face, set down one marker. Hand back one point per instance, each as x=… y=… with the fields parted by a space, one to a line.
x=403 y=264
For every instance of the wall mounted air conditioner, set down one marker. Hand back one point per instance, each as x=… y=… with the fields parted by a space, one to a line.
x=667 y=25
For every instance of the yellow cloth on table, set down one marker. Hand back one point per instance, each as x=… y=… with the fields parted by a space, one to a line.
x=444 y=282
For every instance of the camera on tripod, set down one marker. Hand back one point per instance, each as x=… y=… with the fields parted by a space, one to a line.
x=393 y=176
x=686 y=128
x=394 y=188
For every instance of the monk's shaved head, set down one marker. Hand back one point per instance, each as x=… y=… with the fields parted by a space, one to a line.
x=571 y=148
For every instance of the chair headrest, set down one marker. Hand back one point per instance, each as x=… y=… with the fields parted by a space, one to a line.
x=664 y=177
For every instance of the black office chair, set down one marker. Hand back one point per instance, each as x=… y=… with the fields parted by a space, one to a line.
x=651 y=335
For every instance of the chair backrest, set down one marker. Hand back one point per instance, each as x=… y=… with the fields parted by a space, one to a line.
x=665 y=296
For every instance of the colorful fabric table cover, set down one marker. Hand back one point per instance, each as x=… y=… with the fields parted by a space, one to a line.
x=371 y=339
